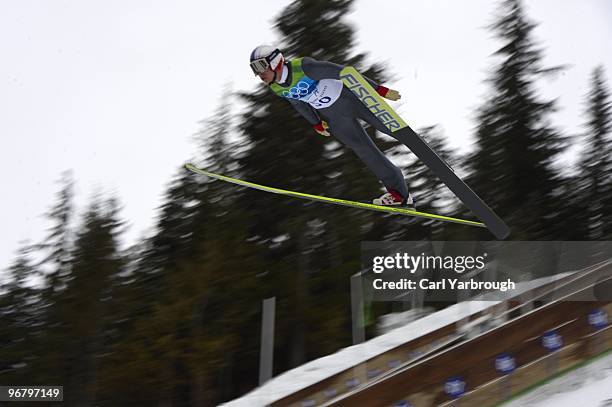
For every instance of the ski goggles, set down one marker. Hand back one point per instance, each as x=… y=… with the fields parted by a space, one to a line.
x=260 y=65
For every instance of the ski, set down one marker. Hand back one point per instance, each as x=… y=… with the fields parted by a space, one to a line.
x=377 y=105
x=319 y=198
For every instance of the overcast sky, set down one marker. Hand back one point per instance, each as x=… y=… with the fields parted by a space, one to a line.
x=114 y=90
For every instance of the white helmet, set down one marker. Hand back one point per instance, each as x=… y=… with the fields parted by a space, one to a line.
x=264 y=57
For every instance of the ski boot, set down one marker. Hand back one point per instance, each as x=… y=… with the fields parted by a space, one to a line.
x=394 y=198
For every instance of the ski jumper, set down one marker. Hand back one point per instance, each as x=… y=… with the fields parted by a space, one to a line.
x=314 y=89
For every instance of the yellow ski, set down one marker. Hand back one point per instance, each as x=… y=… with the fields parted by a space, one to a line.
x=354 y=204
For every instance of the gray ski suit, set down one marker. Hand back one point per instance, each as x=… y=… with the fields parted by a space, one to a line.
x=322 y=94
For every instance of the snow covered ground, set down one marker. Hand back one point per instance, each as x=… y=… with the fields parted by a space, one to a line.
x=587 y=386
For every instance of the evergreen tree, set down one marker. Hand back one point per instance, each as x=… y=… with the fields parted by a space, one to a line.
x=512 y=167
x=57 y=244
x=56 y=250
x=594 y=192
x=226 y=296
x=21 y=313
x=47 y=279
x=141 y=349
x=82 y=307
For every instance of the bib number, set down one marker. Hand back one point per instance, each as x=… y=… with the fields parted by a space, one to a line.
x=326 y=93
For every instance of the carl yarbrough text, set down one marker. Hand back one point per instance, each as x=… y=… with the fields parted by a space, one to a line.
x=443 y=284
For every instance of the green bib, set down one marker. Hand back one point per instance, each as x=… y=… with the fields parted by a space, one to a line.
x=301 y=86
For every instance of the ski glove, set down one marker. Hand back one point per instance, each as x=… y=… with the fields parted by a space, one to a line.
x=388 y=93
x=321 y=128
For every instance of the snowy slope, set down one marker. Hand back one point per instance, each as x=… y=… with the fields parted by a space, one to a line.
x=587 y=386
x=319 y=369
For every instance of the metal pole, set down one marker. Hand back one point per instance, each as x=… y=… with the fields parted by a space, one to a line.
x=357 y=309
x=267 y=340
